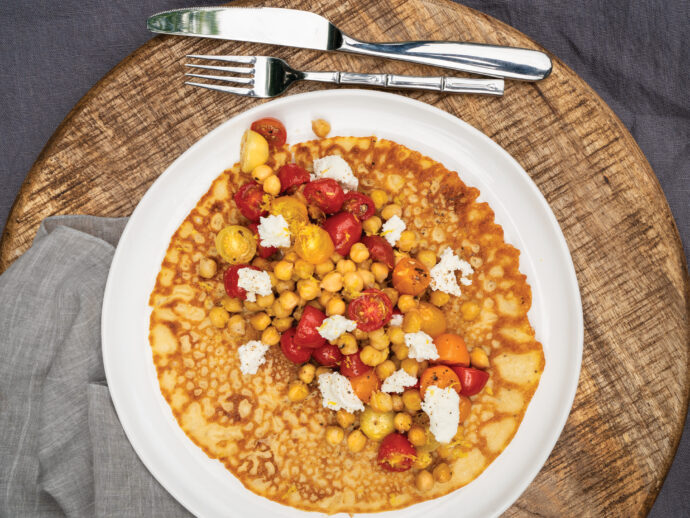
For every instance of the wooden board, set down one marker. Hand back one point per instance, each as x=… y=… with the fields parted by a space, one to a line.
x=630 y=406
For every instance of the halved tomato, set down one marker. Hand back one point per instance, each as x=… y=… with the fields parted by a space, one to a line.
x=231 y=278
x=396 y=453
x=249 y=199
x=472 y=380
x=291 y=176
x=344 y=229
x=440 y=376
x=326 y=194
x=328 y=355
x=359 y=205
x=371 y=310
x=380 y=250
x=292 y=209
x=313 y=244
x=236 y=244
x=293 y=352
x=271 y=129
x=410 y=276
x=451 y=350
x=352 y=365
x=307 y=334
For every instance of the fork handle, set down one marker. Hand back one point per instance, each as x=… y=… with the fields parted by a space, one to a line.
x=439 y=84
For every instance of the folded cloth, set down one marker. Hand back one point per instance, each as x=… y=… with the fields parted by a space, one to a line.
x=62 y=449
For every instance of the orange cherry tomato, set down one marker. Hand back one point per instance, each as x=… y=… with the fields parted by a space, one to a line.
x=410 y=276
x=452 y=350
x=313 y=244
x=433 y=319
x=365 y=385
x=441 y=376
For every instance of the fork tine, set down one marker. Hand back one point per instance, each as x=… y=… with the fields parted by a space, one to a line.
x=228 y=79
x=229 y=89
x=239 y=70
x=229 y=59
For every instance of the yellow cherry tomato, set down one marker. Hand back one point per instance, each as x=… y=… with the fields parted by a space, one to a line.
x=293 y=210
x=313 y=244
x=253 y=151
x=236 y=244
x=376 y=425
x=433 y=319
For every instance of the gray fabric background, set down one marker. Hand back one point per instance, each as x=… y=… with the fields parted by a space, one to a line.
x=634 y=54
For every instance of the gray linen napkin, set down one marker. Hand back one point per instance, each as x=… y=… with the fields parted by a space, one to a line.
x=62 y=449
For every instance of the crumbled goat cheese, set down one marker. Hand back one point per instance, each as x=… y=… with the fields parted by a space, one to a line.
x=274 y=231
x=443 y=408
x=421 y=346
x=396 y=320
x=392 y=229
x=335 y=167
x=443 y=274
x=254 y=282
x=337 y=393
x=251 y=356
x=334 y=326
x=397 y=382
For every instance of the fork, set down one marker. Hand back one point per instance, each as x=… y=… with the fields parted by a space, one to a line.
x=269 y=77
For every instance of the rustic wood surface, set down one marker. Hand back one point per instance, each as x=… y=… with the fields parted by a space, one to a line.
x=618 y=443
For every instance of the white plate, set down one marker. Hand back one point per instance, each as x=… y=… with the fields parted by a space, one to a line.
x=203 y=485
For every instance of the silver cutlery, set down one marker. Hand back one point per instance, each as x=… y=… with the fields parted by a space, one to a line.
x=266 y=76
x=294 y=28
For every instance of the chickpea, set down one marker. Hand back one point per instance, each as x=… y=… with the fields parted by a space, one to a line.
x=297 y=391
x=265 y=301
x=282 y=324
x=439 y=298
x=282 y=286
x=270 y=336
x=261 y=172
x=320 y=127
x=423 y=460
x=236 y=325
x=306 y=373
x=373 y=357
x=308 y=289
x=402 y=421
x=360 y=335
x=336 y=257
x=397 y=402
x=367 y=277
x=416 y=435
x=469 y=310
x=385 y=369
x=251 y=306
x=353 y=282
x=335 y=306
x=427 y=258
x=344 y=418
x=231 y=305
x=272 y=185
x=424 y=481
x=381 y=402
x=279 y=310
x=283 y=270
x=288 y=300
x=356 y=441
x=334 y=435
x=372 y=225
x=322 y=370
x=219 y=317
x=391 y=210
x=379 y=271
x=345 y=265
x=479 y=358
x=412 y=322
x=396 y=335
x=379 y=197
x=324 y=267
x=412 y=400
x=359 y=252
x=411 y=366
x=332 y=282
x=392 y=294
x=401 y=351
x=407 y=241
x=207 y=267
x=347 y=344
x=445 y=451
x=260 y=262
x=378 y=339
x=406 y=303
x=260 y=321
x=303 y=269
x=442 y=473
x=291 y=256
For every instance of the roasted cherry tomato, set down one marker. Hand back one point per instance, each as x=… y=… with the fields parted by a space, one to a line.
x=231 y=278
x=345 y=230
x=263 y=251
x=359 y=205
x=293 y=352
x=365 y=385
x=410 y=276
x=371 y=310
x=451 y=350
x=313 y=244
x=271 y=129
x=236 y=244
x=438 y=375
x=396 y=453
x=292 y=209
x=249 y=199
x=326 y=194
x=472 y=380
x=307 y=334
x=433 y=319
x=465 y=408
x=328 y=355
x=352 y=365
x=291 y=176
x=380 y=250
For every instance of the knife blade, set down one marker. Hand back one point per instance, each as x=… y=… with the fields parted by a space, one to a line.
x=295 y=28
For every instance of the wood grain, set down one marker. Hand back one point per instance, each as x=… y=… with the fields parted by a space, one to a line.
x=628 y=414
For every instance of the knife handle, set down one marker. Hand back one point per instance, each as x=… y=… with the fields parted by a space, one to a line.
x=488 y=60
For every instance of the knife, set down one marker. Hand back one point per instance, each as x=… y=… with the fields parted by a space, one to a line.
x=294 y=28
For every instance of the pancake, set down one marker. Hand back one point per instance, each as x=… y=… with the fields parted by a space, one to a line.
x=276 y=447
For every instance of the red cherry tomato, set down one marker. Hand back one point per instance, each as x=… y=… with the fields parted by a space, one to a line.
x=371 y=310
x=472 y=380
x=360 y=205
x=291 y=350
x=396 y=453
x=249 y=198
x=307 y=334
x=291 y=176
x=352 y=365
x=264 y=251
x=380 y=250
x=271 y=129
x=328 y=355
x=231 y=278
x=345 y=230
x=326 y=194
